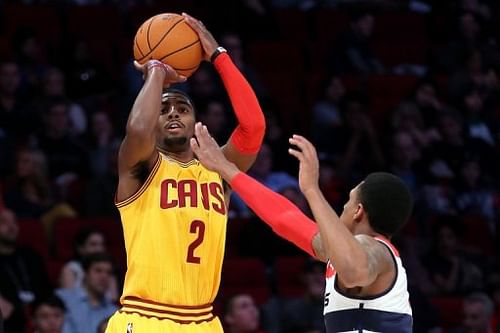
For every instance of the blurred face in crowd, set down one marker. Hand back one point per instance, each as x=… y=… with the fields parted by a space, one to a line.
x=471 y=172
x=243 y=315
x=9 y=228
x=57 y=119
x=30 y=163
x=426 y=95
x=365 y=25
x=202 y=84
x=469 y=26
x=475 y=318
x=214 y=117
x=101 y=124
x=94 y=244
x=315 y=281
x=264 y=162
x=335 y=90
x=405 y=151
x=54 y=83
x=98 y=277
x=447 y=241
x=48 y=319
x=10 y=78
x=450 y=128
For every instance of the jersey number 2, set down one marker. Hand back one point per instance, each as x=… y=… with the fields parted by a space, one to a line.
x=197 y=227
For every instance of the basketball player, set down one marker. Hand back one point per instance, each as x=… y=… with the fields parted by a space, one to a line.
x=366 y=289
x=173 y=209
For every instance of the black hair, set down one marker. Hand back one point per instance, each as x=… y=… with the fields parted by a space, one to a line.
x=168 y=91
x=81 y=237
x=93 y=258
x=387 y=202
x=53 y=301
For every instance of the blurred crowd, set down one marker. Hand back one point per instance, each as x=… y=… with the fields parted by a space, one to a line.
x=409 y=87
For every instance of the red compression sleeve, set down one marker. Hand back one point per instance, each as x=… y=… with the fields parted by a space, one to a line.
x=277 y=211
x=248 y=136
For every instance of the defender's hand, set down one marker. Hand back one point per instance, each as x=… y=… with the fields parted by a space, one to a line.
x=209 y=153
x=309 y=164
x=208 y=41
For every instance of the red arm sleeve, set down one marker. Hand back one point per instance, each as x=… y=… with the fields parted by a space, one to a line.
x=280 y=214
x=248 y=136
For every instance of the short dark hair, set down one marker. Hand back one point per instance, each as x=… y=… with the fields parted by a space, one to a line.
x=170 y=91
x=387 y=202
x=53 y=301
x=91 y=259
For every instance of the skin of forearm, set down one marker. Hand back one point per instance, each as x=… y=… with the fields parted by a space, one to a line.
x=345 y=252
x=146 y=108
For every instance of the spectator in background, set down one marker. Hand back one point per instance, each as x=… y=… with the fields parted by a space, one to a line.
x=405 y=156
x=470 y=35
x=48 y=315
x=204 y=85
x=356 y=144
x=408 y=119
x=13 y=112
x=101 y=142
x=300 y=313
x=30 y=55
x=102 y=326
x=478 y=313
x=87 y=241
x=425 y=96
x=241 y=315
x=352 y=53
x=88 y=305
x=234 y=45
x=54 y=85
x=326 y=112
x=449 y=269
x=29 y=191
x=215 y=116
x=474 y=111
x=23 y=278
x=473 y=196
x=67 y=159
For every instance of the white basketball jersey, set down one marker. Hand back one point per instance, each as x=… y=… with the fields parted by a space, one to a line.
x=389 y=311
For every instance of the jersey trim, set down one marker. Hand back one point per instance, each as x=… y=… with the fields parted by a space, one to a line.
x=137 y=194
x=180 y=163
x=385 y=292
x=183 y=314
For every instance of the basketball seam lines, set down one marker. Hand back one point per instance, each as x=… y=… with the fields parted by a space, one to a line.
x=147 y=33
x=137 y=45
x=162 y=38
x=185 y=47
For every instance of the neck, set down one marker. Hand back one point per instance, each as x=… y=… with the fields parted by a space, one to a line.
x=181 y=156
x=94 y=298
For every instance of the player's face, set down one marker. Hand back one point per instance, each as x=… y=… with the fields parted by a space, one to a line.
x=176 y=121
x=351 y=207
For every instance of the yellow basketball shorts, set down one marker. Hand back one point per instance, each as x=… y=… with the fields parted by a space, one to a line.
x=122 y=322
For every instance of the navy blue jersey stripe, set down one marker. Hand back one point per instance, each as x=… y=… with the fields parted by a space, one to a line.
x=366 y=319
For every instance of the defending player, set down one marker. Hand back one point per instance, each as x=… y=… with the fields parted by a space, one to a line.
x=366 y=287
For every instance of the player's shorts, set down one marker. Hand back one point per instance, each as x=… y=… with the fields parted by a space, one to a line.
x=139 y=317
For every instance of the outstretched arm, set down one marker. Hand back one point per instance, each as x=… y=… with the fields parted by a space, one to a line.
x=245 y=141
x=138 y=146
x=279 y=213
x=358 y=260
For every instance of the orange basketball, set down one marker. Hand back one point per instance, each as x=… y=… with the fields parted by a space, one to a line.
x=168 y=38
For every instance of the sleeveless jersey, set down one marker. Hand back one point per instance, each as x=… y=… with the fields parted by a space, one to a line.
x=386 y=312
x=174 y=228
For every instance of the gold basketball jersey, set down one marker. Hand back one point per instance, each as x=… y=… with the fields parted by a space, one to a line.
x=174 y=229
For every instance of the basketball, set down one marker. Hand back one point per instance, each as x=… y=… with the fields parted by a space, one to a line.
x=168 y=38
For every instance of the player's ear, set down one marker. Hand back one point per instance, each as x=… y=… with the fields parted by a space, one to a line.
x=359 y=212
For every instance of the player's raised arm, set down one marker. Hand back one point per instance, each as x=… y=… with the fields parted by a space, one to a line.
x=279 y=213
x=246 y=139
x=138 y=146
x=358 y=260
